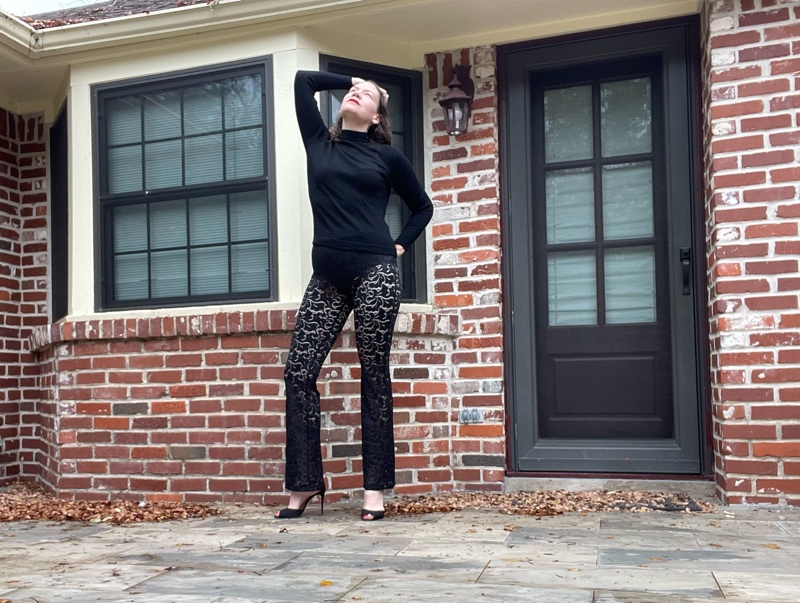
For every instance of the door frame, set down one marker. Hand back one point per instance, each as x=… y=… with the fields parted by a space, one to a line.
x=522 y=321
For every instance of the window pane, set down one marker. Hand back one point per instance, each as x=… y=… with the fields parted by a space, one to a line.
x=630 y=285
x=210 y=270
x=396 y=107
x=208 y=219
x=168 y=224
x=249 y=216
x=568 y=124
x=336 y=104
x=125 y=169
x=244 y=154
x=169 y=273
x=202 y=109
x=249 y=266
x=130 y=276
x=163 y=165
x=124 y=117
x=243 y=102
x=571 y=288
x=130 y=228
x=570 y=205
x=204 y=159
x=626 y=117
x=162 y=115
x=628 y=201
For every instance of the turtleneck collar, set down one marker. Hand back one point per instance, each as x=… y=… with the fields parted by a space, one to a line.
x=353 y=136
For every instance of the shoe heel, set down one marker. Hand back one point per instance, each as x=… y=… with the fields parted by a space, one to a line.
x=322 y=501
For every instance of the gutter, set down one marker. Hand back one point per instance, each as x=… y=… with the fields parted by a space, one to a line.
x=54 y=46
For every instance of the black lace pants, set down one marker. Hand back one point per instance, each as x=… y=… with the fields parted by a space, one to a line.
x=369 y=285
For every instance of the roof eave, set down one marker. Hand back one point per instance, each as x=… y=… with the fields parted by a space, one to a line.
x=60 y=43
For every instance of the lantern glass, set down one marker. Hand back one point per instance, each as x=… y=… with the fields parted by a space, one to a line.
x=457 y=116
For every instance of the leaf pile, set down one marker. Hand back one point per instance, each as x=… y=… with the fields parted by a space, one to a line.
x=545 y=503
x=24 y=502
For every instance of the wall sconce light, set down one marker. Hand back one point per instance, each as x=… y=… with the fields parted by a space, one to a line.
x=456 y=103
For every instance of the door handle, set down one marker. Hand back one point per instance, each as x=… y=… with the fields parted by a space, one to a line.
x=686 y=268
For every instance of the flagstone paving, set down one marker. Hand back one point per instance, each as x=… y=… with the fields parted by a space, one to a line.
x=245 y=556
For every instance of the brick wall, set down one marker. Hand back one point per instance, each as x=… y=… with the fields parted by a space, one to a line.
x=23 y=286
x=752 y=132
x=466 y=262
x=192 y=408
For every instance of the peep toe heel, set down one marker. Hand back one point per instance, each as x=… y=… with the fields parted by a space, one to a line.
x=288 y=513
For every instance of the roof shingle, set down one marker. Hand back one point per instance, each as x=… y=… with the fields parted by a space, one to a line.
x=108 y=9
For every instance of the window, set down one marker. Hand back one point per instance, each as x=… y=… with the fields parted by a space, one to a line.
x=185 y=195
x=405 y=91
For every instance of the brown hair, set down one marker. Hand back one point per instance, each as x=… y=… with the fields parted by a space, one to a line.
x=380 y=132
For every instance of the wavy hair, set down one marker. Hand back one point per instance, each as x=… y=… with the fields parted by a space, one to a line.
x=380 y=133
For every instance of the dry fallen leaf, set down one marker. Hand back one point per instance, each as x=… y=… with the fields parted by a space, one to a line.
x=325 y=583
x=772 y=546
x=26 y=502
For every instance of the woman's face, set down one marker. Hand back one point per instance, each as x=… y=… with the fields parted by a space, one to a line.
x=361 y=103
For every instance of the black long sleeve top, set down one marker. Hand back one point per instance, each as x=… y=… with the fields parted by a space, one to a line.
x=350 y=180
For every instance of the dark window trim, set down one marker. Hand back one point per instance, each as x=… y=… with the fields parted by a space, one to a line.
x=59 y=214
x=102 y=224
x=414 y=259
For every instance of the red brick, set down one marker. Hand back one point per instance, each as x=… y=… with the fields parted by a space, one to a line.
x=785 y=174
x=770 y=193
x=763 y=16
x=735 y=73
x=791 y=486
x=736 y=466
x=764 y=87
x=149 y=452
x=768 y=158
x=735 y=431
x=771 y=122
x=760 y=53
x=771 y=267
x=741 y=38
x=790 y=66
x=720 y=111
x=738 y=251
x=761 y=231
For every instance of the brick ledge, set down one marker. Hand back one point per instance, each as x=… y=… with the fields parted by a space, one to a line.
x=219 y=323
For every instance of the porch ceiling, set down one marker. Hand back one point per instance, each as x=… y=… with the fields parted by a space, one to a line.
x=437 y=25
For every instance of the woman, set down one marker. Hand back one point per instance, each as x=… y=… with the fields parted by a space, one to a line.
x=351 y=171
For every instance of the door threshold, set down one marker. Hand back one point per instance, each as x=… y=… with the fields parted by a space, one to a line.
x=697 y=489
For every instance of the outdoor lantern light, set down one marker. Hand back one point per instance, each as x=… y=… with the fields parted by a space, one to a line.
x=456 y=103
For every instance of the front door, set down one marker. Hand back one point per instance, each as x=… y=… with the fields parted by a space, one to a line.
x=599 y=175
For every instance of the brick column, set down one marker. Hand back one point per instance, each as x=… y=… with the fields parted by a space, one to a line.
x=23 y=286
x=752 y=131
x=466 y=263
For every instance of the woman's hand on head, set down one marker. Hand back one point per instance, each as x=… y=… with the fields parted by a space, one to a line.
x=384 y=93
x=400 y=250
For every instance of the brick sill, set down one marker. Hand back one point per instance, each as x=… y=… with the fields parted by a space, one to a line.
x=218 y=323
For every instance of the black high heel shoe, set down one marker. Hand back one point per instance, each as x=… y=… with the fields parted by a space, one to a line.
x=294 y=513
x=376 y=515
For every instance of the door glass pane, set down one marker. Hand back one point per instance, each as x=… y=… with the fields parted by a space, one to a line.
x=125 y=169
x=249 y=265
x=571 y=288
x=130 y=228
x=628 y=200
x=630 y=285
x=130 y=276
x=626 y=117
x=162 y=115
x=210 y=270
x=170 y=276
x=570 y=205
x=203 y=159
x=168 y=224
x=163 y=164
x=568 y=124
x=208 y=220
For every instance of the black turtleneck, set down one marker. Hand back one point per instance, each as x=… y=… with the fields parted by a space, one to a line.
x=350 y=180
